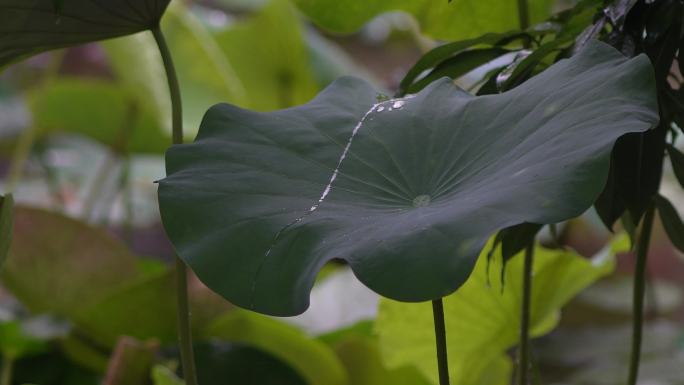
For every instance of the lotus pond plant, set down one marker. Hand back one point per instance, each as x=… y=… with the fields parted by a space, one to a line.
x=410 y=191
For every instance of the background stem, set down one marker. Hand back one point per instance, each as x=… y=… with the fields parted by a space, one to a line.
x=97 y=186
x=440 y=336
x=7 y=370
x=524 y=349
x=20 y=155
x=638 y=293
x=184 y=331
x=523 y=14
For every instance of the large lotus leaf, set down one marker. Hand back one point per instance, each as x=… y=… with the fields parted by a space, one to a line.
x=447 y=20
x=28 y=27
x=407 y=191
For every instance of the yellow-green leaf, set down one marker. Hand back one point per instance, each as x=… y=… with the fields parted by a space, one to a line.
x=483 y=318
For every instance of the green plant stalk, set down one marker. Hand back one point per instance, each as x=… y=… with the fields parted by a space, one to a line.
x=440 y=337
x=524 y=349
x=127 y=196
x=20 y=156
x=523 y=14
x=7 y=370
x=51 y=177
x=100 y=179
x=184 y=330
x=638 y=293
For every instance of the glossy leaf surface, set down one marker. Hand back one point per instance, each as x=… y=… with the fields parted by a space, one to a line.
x=407 y=191
x=28 y=27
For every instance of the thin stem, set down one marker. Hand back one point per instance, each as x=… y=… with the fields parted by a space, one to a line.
x=440 y=336
x=523 y=14
x=97 y=186
x=51 y=177
x=638 y=293
x=7 y=370
x=127 y=197
x=652 y=307
x=524 y=349
x=20 y=156
x=174 y=87
x=184 y=331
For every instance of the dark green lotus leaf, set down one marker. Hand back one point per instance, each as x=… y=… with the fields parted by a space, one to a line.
x=407 y=191
x=28 y=27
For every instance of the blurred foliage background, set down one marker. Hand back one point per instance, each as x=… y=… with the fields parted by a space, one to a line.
x=87 y=292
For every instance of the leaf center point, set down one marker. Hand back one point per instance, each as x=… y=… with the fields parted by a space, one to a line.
x=421 y=200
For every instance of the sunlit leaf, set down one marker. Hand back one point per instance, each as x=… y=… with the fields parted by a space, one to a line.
x=161 y=375
x=359 y=352
x=483 y=317
x=269 y=55
x=16 y=343
x=312 y=359
x=457 y=19
x=205 y=74
x=100 y=110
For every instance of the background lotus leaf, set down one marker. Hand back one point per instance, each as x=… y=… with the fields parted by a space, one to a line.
x=456 y=19
x=28 y=27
